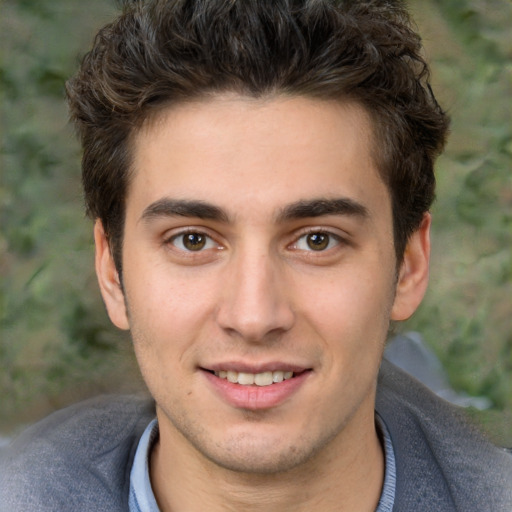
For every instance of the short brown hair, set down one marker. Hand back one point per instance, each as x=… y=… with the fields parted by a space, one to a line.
x=164 y=51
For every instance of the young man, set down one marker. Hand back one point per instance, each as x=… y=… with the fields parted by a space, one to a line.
x=260 y=175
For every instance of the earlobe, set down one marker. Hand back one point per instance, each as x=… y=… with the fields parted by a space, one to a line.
x=413 y=277
x=108 y=279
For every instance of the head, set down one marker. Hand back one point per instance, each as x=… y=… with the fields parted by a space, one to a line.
x=161 y=53
x=258 y=170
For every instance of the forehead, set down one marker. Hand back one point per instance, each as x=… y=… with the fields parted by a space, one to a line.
x=237 y=151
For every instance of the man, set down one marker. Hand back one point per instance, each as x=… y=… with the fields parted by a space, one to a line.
x=260 y=175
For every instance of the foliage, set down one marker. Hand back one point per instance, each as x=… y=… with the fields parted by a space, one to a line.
x=54 y=332
x=56 y=342
x=466 y=314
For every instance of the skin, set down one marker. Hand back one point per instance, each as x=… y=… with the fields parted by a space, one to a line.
x=259 y=293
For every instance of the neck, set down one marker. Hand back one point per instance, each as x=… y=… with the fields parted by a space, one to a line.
x=346 y=475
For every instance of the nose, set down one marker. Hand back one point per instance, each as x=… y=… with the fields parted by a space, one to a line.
x=254 y=304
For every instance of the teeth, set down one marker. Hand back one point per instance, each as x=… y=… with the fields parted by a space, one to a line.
x=260 y=379
x=246 y=379
x=277 y=376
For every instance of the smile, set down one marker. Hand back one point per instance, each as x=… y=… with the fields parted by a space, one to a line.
x=264 y=388
x=258 y=379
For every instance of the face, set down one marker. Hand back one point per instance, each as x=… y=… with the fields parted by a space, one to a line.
x=260 y=277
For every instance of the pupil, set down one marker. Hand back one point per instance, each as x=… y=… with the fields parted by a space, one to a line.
x=194 y=241
x=318 y=241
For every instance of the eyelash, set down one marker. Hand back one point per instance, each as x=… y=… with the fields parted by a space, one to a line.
x=209 y=243
x=178 y=241
x=331 y=239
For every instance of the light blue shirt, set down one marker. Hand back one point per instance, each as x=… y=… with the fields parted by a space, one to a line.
x=142 y=498
x=387 y=497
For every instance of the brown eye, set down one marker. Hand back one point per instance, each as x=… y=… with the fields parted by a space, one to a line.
x=317 y=241
x=194 y=241
x=197 y=246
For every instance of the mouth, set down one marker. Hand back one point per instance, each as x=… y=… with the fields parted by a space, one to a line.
x=254 y=379
x=265 y=387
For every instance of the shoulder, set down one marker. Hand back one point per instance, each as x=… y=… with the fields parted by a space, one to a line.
x=442 y=461
x=78 y=458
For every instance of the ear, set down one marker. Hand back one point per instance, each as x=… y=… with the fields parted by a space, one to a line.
x=413 y=276
x=108 y=279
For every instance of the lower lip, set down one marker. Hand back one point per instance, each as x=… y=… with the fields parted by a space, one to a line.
x=256 y=397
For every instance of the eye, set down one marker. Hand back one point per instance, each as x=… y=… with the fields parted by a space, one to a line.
x=192 y=241
x=317 y=241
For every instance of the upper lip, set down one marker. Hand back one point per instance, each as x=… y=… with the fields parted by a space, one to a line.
x=240 y=366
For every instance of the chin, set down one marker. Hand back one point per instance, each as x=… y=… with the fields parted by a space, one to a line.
x=252 y=462
x=260 y=455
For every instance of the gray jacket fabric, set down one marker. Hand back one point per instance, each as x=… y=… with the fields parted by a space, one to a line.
x=79 y=458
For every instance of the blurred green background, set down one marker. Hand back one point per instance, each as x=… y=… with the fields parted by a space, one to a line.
x=56 y=343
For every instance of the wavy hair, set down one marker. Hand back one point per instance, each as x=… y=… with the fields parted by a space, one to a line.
x=160 y=52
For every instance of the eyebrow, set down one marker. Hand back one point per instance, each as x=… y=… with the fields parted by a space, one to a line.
x=167 y=207
x=321 y=207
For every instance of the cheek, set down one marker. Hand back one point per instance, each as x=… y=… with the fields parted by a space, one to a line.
x=169 y=313
x=356 y=300
x=350 y=318
x=161 y=294
x=163 y=340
